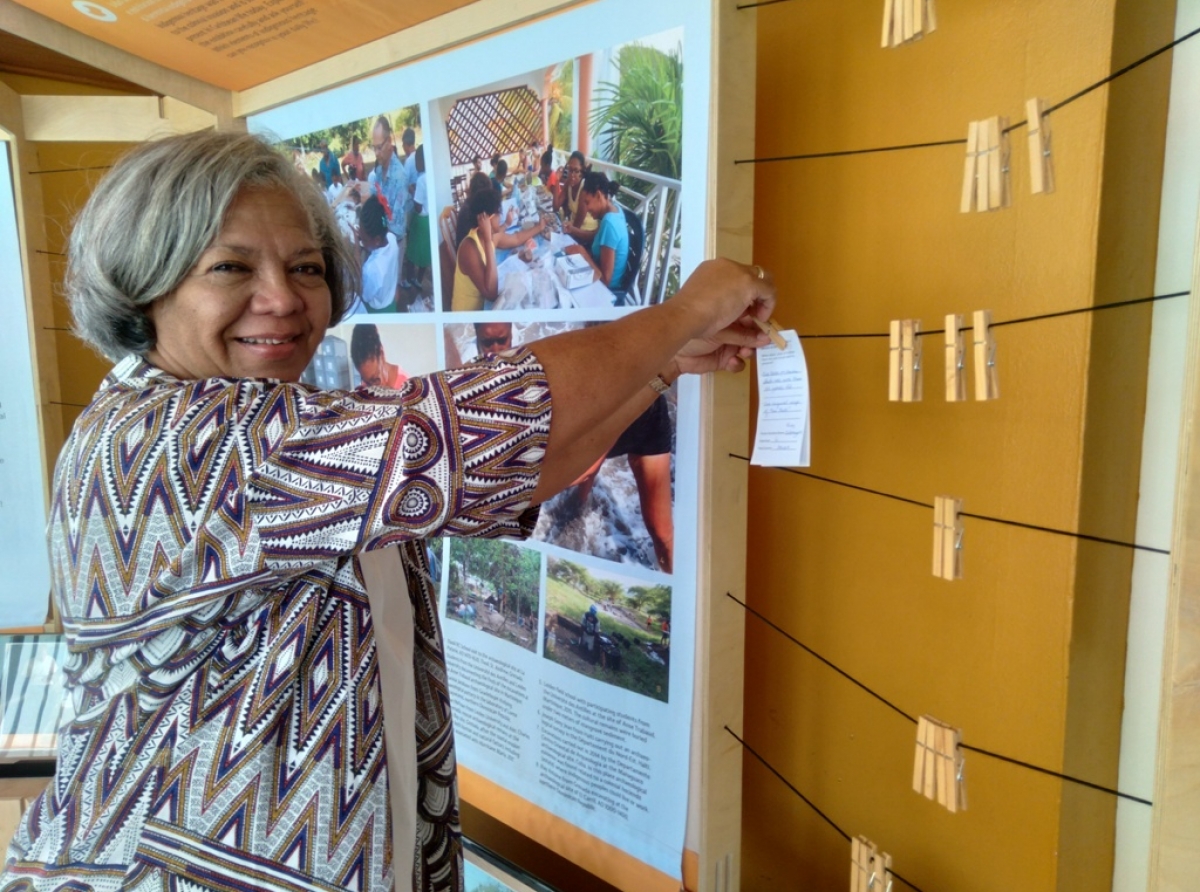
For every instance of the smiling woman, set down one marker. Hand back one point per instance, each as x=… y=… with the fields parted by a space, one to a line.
x=255 y=663
x=256 y=304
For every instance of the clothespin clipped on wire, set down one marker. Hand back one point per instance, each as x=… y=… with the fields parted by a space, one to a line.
x=987 y=169
x=907 y=20
x=1041 y=164
x=987 y=381
x=956 y=359
x=947 y=538
x=938 y=771
x=904 y=361
x=870 y=869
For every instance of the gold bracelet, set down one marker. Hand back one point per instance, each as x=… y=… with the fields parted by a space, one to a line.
x=659 y=384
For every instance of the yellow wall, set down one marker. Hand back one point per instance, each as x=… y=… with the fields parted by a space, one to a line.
x=68 y=172
x=1026 y=654
x=64 y=175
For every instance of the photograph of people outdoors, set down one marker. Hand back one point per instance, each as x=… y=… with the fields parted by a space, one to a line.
x=493 y=587
x=563 y=186
x=372 y=173
x=380 y=355
x=609 y=627
x=620 y=509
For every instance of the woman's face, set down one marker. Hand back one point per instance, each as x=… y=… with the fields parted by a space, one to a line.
x=595 y=203
x=255 y=305
x=574 y=172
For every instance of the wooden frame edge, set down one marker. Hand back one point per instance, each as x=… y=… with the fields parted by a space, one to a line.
x=39 y=29
x=37 y=296
x=1175 y=825
x=720 y=623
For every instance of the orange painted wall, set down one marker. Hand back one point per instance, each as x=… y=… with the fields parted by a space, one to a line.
x=1026 y=653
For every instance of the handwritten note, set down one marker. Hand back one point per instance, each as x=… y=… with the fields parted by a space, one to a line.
x=782 y=437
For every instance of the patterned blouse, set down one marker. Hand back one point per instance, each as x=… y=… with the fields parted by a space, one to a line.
x=228 y=731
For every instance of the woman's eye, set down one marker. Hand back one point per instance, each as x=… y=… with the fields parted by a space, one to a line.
x=228 y=266
x=311 y=269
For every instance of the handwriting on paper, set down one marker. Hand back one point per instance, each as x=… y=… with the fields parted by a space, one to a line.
x=782 y=436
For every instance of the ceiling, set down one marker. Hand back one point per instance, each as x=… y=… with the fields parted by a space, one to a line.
x=228 y=44
x=20 y=56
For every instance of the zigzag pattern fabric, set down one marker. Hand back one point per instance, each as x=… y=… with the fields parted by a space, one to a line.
x=228 y=729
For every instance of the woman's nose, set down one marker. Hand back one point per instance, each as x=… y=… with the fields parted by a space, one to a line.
x=276 y=294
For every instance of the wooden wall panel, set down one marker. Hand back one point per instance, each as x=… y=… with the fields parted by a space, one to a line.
x=1026 y=653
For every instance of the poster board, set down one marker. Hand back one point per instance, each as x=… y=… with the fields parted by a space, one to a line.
x=592 y=747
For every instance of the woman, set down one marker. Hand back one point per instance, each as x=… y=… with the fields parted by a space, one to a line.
x=220 y=537
x=609 y=254
x=501 y=237
x=380 y=257
x=578 y=224
x=420 y=254
x=475 y=276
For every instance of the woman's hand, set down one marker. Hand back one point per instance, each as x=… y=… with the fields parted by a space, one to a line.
x=725 y=351
x=723 y=295
x=484 y=224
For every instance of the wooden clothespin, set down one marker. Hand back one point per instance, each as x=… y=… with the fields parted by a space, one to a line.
x=938 y=770
x=986 y=173
x=870 y=869
x=947 y=538
x=956 y=360
x=907 y=20
x=987 y=382
x=904 y=361
x=1041 y=164
x=771 y=330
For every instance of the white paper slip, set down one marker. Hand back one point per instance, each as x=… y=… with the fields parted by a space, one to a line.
x=782 y=436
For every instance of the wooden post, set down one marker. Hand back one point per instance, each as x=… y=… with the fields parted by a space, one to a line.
x=1174 y=855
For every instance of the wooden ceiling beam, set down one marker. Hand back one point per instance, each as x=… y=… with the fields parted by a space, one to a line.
x=455 y=28
x=39 y=29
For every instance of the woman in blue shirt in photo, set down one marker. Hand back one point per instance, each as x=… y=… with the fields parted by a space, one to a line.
x=609 y=256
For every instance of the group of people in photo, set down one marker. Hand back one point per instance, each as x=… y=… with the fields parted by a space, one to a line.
x=579 y=203
x=382 y=207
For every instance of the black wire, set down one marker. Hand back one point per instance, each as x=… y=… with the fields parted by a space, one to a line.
x=1116 y=74
x=50 y=253
x=828 y=820
x=897 y=709
x=855 y=486
x=1095 y=308
x=787 y=783
x=1074 y=780
x=846 y=675
x=761 y=3
x=1087 y=537
x=958 y=142
x=1092 y=309
x=73 y=405
x=844 y=152
x=72 y=169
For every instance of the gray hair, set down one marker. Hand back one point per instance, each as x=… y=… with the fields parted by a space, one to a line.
x=160 y=208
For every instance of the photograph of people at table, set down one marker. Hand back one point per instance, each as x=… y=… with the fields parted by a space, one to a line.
x=372 y=173
x=580 y=209
x=621 y=508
